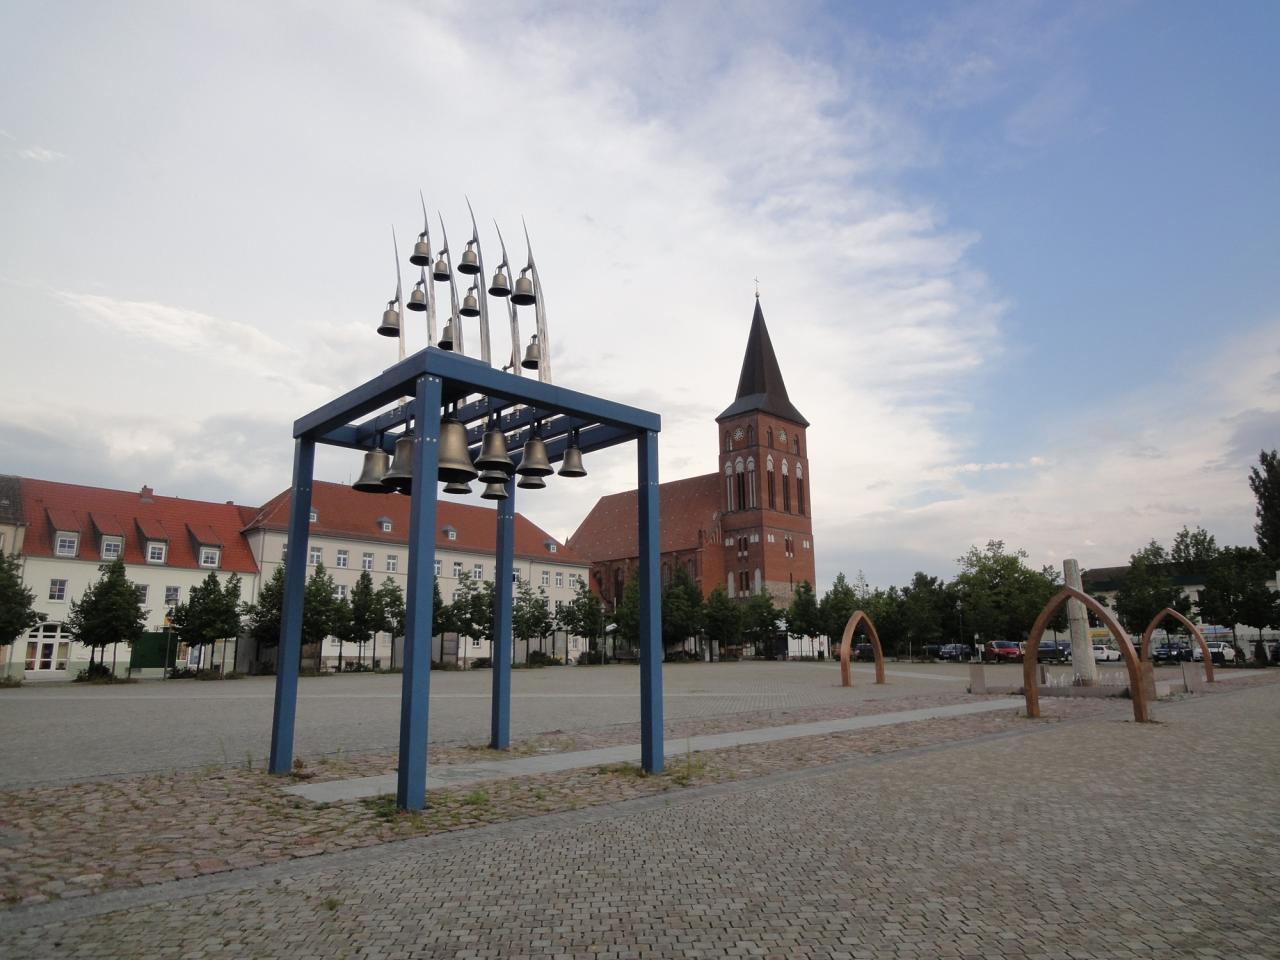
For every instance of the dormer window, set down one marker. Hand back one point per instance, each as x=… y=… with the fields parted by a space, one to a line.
x=112 y=548
x=384 y=524
x=450 y=533
x=156 y=551
x=210 y=556
x=314 y=516
x=551 y=546
x=66 y=544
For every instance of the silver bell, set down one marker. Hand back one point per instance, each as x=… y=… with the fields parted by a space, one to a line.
x=417 y=298
x=399 y=477
x=376 y=464
x=523 y=294
x=468 y=262
x=446 y=338
x=572 y=464
x=493 y=454
x=457 y=489
x=531 y=483
x=534 y=462
x=441 y=270
x=421 y=256
x=455 y=459
x=532 y=354
x=470 y=305
x=390 y=326
x=494 y=491
x=500 y=287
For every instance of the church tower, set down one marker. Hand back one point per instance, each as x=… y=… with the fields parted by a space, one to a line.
x=764 y=465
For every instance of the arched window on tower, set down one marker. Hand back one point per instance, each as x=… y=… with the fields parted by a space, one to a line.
x=800 y=489
x=795 y=445
x=769 y=436
x=751 y=483
x=740 y=491
x=786 y=489
x=751 y=435
x=728 y=486
x=770 y=483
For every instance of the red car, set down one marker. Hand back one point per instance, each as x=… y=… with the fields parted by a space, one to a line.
x=1001 y=651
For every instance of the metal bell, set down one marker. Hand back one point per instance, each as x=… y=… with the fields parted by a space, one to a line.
x=468 y=262
x=493 y=454
x=532 y=354
x=572 y=464
x=446 y=338
x=500 y=287
x=399 y=476
x=523 y=294
x=376 y=464
x=455 y=459
x=457 y=489
x=534 y=462
x=421 y=256
x=441 y=270
x=492 y=476
x=417 y=298
x=470 y=305
x=390 y=326
x=531 y=483
x=494 y=491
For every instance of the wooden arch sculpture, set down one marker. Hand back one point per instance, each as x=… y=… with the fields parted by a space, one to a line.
x=846 y=648
x=1030 y=657
x=1195 y=632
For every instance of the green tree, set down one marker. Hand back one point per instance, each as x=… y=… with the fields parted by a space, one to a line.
x=837 y=606
x=530 y=616
x=887 y=609
x=1235 y=591
x=390 y=599
x=109 y=612
x=16 y=602
x=1147 y=588
x=319 y=601
x=722 y=620
x=803 y=616
x=681 y=609
x=262 y=618
x=1000 y=595
x=211 y=614
x=368 y=618
x=760 y=623
x=1193 y=550
x=343 y=626
x=583 y=616
x=627 y=616
x=927 y=606
x=1264 y=481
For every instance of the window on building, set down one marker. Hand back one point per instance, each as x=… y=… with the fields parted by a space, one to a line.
x=342 y=591
x=66 y=544
x=786 y=489
x=156 y=551
x=551 y=548
x=366 y=561
x=751 y=435
x=344 y=557
x=475 y=641
x=437 y=567
x=457 y=568
x=47 y=647
x=210 y=556
x=385 y=525
x=799 y=494
x=112 y=547
x=313 y=516
x=57 y=589
x=546 y=578
x=450 y=533
x=284 y=551
x=769 y=437
x=141 y=589
x=728 y=443
x=393 y=562
x=770 y=483
x=744 y=581
x=316 y=556
x=477 y=571
x=751 y=482
x=559 y=578
x=740 y=485
x=728 y=486
x=559 y=605
x=172 y=595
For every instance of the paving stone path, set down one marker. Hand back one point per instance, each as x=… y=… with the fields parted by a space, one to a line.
x=952 y=848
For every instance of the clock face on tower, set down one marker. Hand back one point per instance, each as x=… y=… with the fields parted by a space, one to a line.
x=738 y=434
x=782 y=436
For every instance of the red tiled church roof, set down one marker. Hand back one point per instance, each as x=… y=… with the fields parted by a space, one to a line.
x=92 y=511
x=344 y=512
x=685 y=508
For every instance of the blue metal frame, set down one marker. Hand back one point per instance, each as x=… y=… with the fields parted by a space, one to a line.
x=435 y=378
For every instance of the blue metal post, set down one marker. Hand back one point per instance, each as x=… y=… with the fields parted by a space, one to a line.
x=651 y=748
x=411 y=776
x=500 y=726
x=289 y=652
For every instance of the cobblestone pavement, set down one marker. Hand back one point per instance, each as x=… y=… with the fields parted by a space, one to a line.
x=1059 y=841
x=61 y=732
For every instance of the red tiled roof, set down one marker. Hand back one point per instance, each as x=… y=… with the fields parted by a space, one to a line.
x=60 y=519
x=106 y=524
x=151 y=528
x=82 y=507
x=204 y=535
x=685 y=507
x=344 y=512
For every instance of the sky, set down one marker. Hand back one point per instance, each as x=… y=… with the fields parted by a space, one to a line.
x=1017 y=259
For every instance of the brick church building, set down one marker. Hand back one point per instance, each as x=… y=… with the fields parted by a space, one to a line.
x=747 y=526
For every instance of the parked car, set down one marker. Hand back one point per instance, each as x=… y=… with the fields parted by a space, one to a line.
x=1220 y=651
x=1053 y=652
x=954 y=651
x=863 y=651
x=1103 y=653
x=930 y=651
x=1002 y=651
x=1171 y=652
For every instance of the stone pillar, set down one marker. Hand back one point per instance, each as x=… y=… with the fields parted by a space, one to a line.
x=1081 y=649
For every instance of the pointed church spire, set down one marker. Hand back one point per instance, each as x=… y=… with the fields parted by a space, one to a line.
x=760 y=385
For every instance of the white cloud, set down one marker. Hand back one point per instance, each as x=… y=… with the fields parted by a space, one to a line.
x=41 y=154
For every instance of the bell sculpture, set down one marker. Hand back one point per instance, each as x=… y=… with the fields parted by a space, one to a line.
x=455 y=459
x=470 y=305
x=457 y=489
x=446 y=338
x=376 y=464
x=531 y=483
x=421 y=256
x=500 y=287
x=572 y=466
x=418 y=297
x=532 y=354
x=469 y=263
x=534 y=462
x=441 y=270
x=390 y=326
x=399 y=476
x=496 y=490
x=523 y=296
x=494 y=464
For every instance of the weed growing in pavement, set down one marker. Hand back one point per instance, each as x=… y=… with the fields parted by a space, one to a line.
x=6 y=682
x=622 y=769
x=382 y=806
x=331 y=903
x=476 y=798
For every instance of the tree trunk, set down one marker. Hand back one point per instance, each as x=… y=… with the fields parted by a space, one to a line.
x=373 y=657
x=339 y=654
